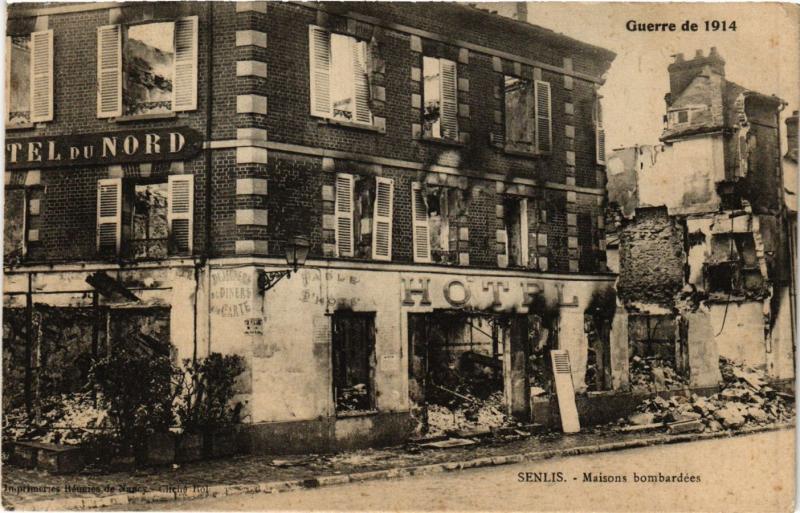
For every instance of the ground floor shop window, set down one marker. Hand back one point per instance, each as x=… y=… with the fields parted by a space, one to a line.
x=354 y=362
x=456 y=362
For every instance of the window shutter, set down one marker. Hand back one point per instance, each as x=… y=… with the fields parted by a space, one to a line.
x=184 y=85
x=599 y=133
x=449 y=97
x=544 y=137
x=361 y=83
x=600 y=143
x=109 y=215
x=109 y=71
x=421 y=230
x=382 y=219
x=180 y=207
x=319 y=57
x=42 y=76
x=344 y=214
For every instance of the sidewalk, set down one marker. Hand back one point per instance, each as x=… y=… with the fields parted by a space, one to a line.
x=31 y=489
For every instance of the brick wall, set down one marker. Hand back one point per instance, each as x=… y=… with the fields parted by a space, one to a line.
x=294 y=202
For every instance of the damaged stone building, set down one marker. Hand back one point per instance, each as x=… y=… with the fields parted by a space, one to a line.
x=704 y=234
x=445 y=165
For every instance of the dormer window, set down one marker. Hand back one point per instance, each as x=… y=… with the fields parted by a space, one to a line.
x=678 y=118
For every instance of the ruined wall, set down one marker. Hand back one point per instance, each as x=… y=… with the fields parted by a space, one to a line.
x=651 y=258
x=684 y=176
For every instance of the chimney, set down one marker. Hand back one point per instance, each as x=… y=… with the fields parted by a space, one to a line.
x=791 y=133
x=521 y=12
x=682 y=72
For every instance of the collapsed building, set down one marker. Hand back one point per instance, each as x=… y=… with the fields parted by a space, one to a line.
x=705 y=238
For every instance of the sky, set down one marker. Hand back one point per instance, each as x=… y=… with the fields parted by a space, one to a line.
x=763 y=54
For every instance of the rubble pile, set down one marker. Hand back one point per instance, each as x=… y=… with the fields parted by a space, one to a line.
x=467 y=415
x=69 y=419
x=654 y=374
x=745 y=399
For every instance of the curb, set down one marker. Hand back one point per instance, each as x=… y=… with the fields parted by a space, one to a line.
x=202 y=492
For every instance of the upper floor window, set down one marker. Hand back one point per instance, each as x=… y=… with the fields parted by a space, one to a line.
x=339 y=76
x=677 y=118
x=438 y=213
x=29 y=78
x=363 y=216
x=439 y=99
x=146 y=219
x=147 y=68
x=528 y=115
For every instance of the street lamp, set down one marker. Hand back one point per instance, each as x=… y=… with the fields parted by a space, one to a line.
x=296 y=252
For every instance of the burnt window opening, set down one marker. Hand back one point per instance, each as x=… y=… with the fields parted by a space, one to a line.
x=149 y=231
x=515 y=220
x=658 y=352
x=520 y=115
x=456 y=370
x=15 y=216
x=353 y=351
x=148 y=55
x=363 y=216
x=445 y=214
x=733 y=267
x=598 y=361
x=440 y=99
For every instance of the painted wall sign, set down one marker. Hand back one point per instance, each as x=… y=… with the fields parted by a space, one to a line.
x=122 y=147
x=231 y=293
x=463 y=292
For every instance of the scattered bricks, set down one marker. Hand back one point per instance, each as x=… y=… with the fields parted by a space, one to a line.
x=688 y=426
x=640 y=419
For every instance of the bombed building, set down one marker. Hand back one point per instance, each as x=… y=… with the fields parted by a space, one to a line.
x=704 y=232
x=435 y=174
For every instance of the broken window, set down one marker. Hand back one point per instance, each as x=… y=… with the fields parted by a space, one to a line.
x=733 y=267
x=515 y=224
x=15 y=221
x=18 y=63
x=340 y=70
x=147 y=68
x=456 y=370
x=364 y=216
x=353 y=361
x=519 y=114
x=149 y=231
x=148 y=55
x=439 y=96
x=145 y=219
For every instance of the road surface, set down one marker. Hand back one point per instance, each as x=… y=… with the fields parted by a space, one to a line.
x=751 y=474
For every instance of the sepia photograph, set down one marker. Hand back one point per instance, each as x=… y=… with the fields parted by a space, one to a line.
x=400 y=256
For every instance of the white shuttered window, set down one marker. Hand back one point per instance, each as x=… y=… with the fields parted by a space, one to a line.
x=421 y=230
x=180 y=215
x=109 y=71
x=109 y=215
x=599 y=133
x=42 y=76
x=171 y=78
x=544 y=135
x=339 y=77
x=382 y=219
x=344 y=215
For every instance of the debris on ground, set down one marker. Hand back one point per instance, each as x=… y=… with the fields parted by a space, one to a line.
x=467 y=414
x=653 y=374
x=745 y=399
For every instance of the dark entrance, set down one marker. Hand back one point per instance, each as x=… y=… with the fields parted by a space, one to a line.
x=353 y=362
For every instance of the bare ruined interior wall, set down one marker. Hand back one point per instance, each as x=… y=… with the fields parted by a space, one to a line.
x=651 y=258
x=684 y=176
x=741 y=337
x=762 y=184
x=780 y=360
